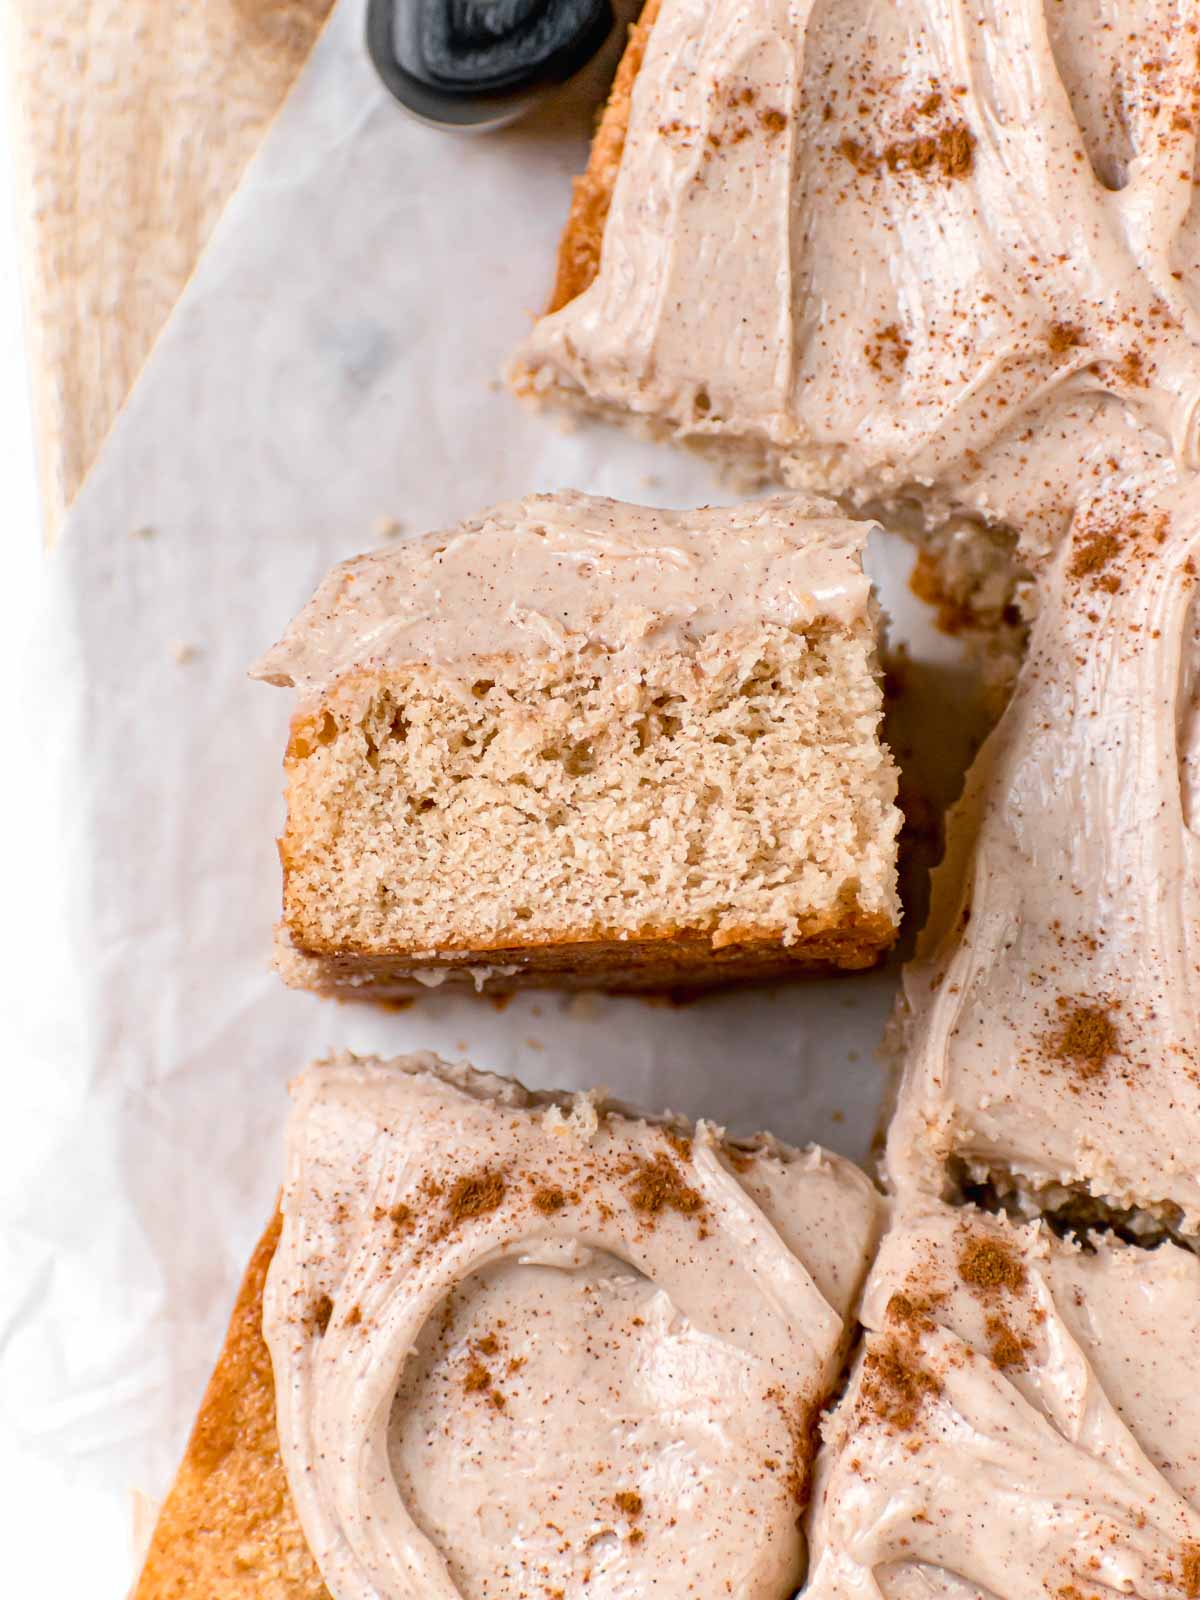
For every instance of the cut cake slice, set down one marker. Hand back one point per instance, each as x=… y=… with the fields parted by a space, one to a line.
x=579 y=743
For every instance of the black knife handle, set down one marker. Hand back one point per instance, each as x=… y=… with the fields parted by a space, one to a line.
x=454 y=60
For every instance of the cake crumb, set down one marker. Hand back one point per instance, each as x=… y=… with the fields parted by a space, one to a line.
x=583 y=1119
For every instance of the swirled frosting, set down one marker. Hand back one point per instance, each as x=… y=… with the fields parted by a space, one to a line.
x=862 y=243
x=1022 y=1421
x=1051 y=1020
x=524 y=1343
x=555 y=572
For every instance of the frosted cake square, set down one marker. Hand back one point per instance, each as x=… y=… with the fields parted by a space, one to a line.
x=575 y=742
x=519 y=1344
x=1021 y=1420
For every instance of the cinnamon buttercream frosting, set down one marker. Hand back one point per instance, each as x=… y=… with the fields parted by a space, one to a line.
x=1051 y=1019
x=534 y=1343
x=1022 y=1421
x=557 y=572
x=863 y=243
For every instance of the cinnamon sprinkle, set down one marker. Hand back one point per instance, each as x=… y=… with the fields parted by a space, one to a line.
x=659 y=1187
x=1063 y=336
x=1131 y=368
x=802 y=1421
x=548 y=1200
x=475 y=1195
x=1189 y=1562
x=400 y=1216
x=988 y=1264
x=1091 y=558
x=1006 y=1350
x=321 y=1312
x=890 y=344
x=629 y=1502
x=680 y=1143
x=1087 y=1038
x=912 y=1312
x=949 y=153
x=895 y=1386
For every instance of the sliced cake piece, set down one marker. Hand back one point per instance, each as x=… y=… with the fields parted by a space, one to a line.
x=575 y=742
x=1021 y=1421
x=522 y=1344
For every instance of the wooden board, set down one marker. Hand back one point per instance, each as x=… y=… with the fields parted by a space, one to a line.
x=134 y=120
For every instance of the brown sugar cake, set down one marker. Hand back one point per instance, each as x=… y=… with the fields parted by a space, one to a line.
x=1021 y=1421
x=522 y=1343
x=575 y=742
x=800 y=246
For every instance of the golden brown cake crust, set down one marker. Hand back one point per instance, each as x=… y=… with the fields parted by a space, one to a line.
x=579 y=248
x=660 y=962
x=228 y=1529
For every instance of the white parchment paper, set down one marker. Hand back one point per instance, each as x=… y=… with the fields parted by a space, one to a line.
x=334 y=363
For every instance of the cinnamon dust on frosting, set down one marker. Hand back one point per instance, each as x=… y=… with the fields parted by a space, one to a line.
x=1087 y=1039
x=508 y=1304
x=1012 y=1381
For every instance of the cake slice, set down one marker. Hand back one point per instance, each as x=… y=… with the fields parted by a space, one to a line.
x=522 y=1343
x=574 y=742
x=1021 y=1421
